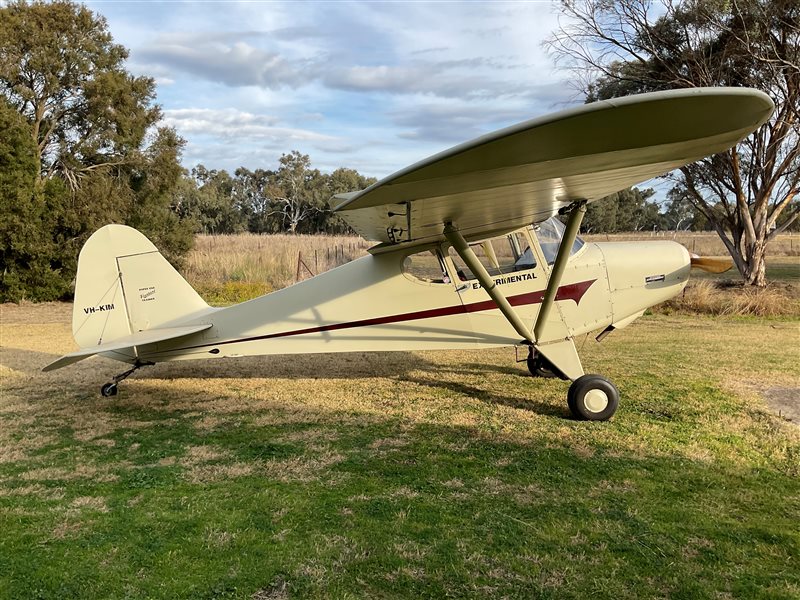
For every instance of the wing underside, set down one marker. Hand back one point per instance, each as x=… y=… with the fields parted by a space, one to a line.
x=526 y=173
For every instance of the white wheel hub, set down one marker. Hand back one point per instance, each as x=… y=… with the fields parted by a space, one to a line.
x=595 y=400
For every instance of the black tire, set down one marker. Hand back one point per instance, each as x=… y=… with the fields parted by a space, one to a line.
x=539 y=366
x=108 y=389
x=588 y=406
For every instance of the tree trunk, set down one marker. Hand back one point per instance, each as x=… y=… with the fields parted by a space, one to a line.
x=755 y=272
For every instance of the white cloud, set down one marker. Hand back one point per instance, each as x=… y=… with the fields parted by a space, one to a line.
x=373 y=86
x=238 y=64
x=233 y=123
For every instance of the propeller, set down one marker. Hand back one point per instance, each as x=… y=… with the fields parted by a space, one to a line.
x=711 y=265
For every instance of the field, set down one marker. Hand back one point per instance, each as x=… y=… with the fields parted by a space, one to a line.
x=227 y=269
x=704 y=243
x=397 y=475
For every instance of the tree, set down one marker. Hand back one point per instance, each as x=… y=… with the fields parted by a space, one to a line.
x=294 y=197
x=25 y=267
x=209 y=199
x=630 y=46
x=98 y=155
x=253 y=190
x=626 y=210
x=296 y=189
x=60 y=69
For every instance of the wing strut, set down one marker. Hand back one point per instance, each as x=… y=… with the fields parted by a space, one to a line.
x=468 y=256
x=576 y=212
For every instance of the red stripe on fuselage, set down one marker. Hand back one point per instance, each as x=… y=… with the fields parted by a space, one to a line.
x=572 y=291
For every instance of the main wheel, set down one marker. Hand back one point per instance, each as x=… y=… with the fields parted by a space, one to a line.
x=109 y=389
x=539 y=366
x=592 y=398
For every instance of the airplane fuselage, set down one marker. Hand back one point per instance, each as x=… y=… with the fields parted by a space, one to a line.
x=373 y=303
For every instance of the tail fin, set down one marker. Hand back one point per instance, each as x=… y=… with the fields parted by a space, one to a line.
x=124 y=285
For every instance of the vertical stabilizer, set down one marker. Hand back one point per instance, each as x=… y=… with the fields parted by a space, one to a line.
x=124 y=285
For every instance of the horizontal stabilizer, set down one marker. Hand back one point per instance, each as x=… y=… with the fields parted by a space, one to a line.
x=140 y=338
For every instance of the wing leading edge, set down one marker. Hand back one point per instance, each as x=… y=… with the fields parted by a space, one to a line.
x=525 y=173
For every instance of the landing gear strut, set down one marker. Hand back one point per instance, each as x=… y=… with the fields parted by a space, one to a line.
x=110 y=389
x=592 y=398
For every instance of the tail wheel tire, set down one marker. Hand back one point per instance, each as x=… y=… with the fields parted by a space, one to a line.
x=592 y=398
x=109 y=389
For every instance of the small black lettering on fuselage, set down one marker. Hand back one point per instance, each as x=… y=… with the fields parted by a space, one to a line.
x=508 y=279
x=90 y=310
x=147 y=294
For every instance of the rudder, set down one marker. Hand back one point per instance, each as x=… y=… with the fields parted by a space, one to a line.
x=124 y=285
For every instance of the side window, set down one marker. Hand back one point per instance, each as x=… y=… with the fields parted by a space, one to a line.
x=499 y=256
x=464 y=272
x=426 y=266
x=521 y=250
x=549 y=234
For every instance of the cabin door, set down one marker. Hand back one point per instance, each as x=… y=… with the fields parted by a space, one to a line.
x=519 y=275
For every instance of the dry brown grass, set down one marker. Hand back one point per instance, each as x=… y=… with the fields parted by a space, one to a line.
x=265 y=262
x=704 y=243
x=703 y=296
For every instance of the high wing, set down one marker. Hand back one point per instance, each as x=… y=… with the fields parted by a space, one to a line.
x=525 y=173
x=128 y=342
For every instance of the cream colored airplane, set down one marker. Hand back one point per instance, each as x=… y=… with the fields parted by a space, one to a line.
x=469 y=253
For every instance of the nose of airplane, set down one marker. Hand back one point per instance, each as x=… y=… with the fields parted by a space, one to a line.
x=642 y=274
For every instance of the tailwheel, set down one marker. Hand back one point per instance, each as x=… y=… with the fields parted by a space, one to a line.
x=109 y=389
x=112 y=387
x=592 y=398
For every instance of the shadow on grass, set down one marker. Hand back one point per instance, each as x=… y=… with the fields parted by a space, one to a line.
x=341 y=366
x=486 y=397
x=323 y=366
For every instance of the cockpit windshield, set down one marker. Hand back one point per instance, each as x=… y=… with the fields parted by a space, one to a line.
x=549 y=233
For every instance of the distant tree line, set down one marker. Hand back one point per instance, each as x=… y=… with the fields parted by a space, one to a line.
x=290 y=199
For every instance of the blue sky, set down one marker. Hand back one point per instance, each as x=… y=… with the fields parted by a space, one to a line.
x=370 y=85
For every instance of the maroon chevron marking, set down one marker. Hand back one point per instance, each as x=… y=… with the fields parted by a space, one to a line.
x=572 y=291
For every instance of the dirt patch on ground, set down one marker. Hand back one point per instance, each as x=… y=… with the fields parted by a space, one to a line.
x=28 y=312
x=785 y=401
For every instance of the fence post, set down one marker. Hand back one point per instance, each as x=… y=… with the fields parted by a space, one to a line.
x=297 y=272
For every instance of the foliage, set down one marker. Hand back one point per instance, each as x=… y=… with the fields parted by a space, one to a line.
x=60 y=69
x=209 y=198
x=25 y=211
x=293 y=198
x=747 y=194
x=90 y=156
x=626 y=210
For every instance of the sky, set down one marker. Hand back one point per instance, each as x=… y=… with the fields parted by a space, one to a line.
x=373 y=86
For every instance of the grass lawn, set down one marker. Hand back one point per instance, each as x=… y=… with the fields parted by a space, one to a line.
x=441 y=474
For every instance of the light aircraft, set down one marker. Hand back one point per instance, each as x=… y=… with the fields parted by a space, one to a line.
x=468 y=253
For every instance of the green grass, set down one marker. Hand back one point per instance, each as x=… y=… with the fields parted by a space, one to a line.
x=448 y=474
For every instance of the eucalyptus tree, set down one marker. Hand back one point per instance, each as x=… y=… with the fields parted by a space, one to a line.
x=749 y=193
